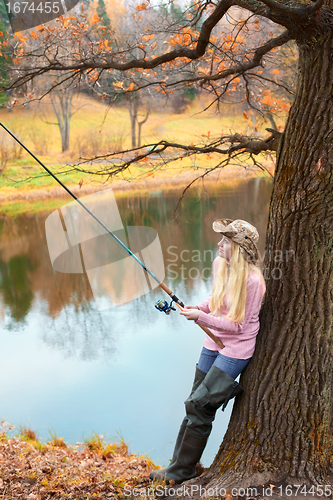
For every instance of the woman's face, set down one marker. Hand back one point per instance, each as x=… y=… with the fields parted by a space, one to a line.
x=225 y=248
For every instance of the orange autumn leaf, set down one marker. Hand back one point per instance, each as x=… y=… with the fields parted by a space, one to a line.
x=275 y=71
x=268 y=100
x=147 y=37
x=22 y=38
x=95 y=19
x=228 y=495
x=142 y=6
x=34 y=35
x=118 y=85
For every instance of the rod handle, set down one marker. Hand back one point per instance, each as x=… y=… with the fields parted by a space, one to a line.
x=204 y=328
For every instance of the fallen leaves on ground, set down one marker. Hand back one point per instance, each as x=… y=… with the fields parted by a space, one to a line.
x=31 y=470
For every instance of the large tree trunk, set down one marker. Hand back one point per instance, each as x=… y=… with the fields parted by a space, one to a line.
x=281 y=426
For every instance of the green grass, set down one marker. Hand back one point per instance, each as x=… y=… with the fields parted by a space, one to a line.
x=92 y=122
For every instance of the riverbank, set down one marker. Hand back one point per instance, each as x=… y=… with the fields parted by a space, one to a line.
x=23 y=197
x=33 y=470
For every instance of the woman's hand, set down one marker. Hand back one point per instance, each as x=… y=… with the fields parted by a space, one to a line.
x=190 y=313
x=191 y=307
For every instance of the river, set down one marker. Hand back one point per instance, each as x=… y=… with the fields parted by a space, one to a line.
x=125 y=371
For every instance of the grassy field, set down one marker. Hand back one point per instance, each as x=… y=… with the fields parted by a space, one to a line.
x=95 y=129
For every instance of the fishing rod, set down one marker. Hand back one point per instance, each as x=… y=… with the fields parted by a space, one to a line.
x=161 y=305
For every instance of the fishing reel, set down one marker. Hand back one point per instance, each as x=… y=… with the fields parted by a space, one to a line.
x=163 y=306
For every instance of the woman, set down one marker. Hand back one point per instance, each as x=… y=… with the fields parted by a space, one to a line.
x=231 y=312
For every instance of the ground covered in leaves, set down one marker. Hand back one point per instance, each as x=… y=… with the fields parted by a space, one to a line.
x=31 y=470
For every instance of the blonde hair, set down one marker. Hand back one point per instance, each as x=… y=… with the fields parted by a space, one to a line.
x=232 y=279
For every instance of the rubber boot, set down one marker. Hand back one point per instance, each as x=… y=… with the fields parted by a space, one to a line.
x=188 y=456
x=198 y=378
x=216 y=390
x=160 y=474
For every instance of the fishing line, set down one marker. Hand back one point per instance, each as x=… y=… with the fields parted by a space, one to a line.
x=165 y=308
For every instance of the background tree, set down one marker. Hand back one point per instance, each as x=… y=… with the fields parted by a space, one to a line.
x=134 y=102
x=6 y=55
x=281 y=427
x=102 y=14
x=61 y=99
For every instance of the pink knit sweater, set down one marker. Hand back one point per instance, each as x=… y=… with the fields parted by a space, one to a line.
x=239 y=339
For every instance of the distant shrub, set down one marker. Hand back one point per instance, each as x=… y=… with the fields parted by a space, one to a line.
x=6 y=150
x=41 y=140
x=95 y=142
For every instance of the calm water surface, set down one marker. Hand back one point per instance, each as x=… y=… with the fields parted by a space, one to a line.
x=125 y=371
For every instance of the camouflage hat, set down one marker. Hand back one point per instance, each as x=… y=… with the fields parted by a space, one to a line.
x=240 y=232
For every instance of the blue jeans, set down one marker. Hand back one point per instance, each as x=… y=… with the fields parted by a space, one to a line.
x=231 y=366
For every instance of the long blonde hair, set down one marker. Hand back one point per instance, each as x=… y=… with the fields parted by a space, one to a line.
x=233 y=279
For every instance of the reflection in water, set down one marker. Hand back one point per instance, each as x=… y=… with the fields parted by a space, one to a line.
x=80 y=370
x=79 y=331
x=14 y=286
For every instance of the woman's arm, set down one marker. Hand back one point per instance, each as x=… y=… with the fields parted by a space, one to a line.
x=204 y=306
x=253 y=300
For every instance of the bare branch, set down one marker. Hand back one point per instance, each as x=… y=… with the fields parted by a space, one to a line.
x=233 y=144
x=220 y=165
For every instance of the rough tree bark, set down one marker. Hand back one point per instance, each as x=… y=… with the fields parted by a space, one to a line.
x=281 y=426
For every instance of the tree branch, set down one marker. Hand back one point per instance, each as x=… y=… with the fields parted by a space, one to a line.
x=298 y=19
x=298 y=13
x=236 y=143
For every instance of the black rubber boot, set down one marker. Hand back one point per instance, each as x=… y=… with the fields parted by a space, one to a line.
x=198 y=378
x=216 y=389
x=188 y=456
